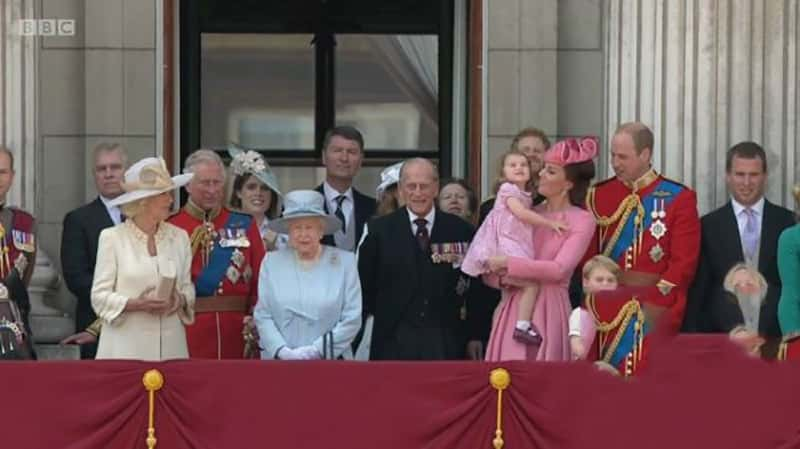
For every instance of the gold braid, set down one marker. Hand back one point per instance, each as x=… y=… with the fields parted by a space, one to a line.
x=621 y=215
x=199 y=236
x=621 y=320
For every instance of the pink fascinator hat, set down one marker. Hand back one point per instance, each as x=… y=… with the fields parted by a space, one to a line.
x=572 y=151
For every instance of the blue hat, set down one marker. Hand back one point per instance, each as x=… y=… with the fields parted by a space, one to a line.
x=249 y=161
x=304 y=204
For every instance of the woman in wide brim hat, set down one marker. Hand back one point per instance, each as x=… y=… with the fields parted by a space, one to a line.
x=309 y=294
x=256 y=192
x=142 y=289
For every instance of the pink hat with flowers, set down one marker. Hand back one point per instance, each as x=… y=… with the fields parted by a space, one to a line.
x=572 y=151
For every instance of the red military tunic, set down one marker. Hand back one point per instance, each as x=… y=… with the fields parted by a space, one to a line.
x=217 y=330
x=652 y=230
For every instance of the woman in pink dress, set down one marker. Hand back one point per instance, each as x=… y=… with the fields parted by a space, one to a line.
x=563 y=182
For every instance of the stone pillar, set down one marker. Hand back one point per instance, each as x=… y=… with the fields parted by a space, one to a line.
x=706 y=75
x=49 y=317
x=522 y=74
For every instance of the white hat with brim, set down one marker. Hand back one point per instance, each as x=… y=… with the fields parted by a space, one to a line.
x=148 y=177
x=304 y=204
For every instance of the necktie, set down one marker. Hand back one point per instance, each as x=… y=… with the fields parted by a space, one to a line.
x=423 y=239
x=750 y=235
x=339 y=214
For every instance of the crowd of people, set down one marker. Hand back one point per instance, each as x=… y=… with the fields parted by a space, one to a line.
x=551 y=267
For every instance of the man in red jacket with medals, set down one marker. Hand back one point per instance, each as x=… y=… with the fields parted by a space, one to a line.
x=227 y=252
x=649 y=225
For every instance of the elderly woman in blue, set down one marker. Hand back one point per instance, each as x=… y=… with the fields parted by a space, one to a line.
x=309 y=295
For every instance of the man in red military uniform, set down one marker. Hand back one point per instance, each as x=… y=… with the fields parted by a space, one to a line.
x=227 y=252
x=649 y=225
x=17 y=259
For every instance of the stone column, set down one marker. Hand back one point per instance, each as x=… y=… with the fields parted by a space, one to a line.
x=18 y=132
x=706 y=75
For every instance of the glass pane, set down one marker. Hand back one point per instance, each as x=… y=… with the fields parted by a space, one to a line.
x=387 y=86
x=257 y=90
x=294 y=178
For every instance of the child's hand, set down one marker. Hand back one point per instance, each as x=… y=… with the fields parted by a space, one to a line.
x=577 y=348
x=497 y=264
x=558 y=226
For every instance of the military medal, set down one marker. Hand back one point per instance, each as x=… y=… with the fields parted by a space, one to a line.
x=656 y=253
x=247 y=274
x=658 y=229
x=23 y=241
x=237 y=258
x=232 y=274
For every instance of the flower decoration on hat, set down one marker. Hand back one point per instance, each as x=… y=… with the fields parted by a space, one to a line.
x=572 y=151
x=248 y=162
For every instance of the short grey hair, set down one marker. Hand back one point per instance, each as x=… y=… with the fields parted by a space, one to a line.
x=203 y=156
x=419 y=161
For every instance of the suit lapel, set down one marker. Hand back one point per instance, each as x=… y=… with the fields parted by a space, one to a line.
x=767 y=247
x=101 y=214
x=328 y=239
x=730 y=227
x=407 y=242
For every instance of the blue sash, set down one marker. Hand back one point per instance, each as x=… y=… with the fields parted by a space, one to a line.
x=627 y=341
x=208 y=280
x=667 y=190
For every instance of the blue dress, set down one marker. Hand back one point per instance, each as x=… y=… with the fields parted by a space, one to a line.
x=298 y=304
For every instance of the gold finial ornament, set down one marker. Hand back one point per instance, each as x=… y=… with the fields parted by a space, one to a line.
x=499 y=379
x=153 y=380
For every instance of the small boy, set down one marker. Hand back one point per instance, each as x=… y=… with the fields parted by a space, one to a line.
x=599 y=273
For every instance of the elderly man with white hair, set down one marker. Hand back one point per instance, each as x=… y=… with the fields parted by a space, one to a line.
x=226 y=257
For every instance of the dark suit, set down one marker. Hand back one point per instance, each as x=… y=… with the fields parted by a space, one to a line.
x=79 y=238
x=709 y=309
x=363 y=209
x=416 y=302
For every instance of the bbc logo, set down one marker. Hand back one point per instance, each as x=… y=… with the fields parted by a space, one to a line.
x=47 y=27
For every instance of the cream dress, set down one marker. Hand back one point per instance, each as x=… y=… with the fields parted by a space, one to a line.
x=124 y=269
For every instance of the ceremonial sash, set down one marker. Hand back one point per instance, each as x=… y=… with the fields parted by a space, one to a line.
x=208 y=280
x=626 y=343
x=665 y=190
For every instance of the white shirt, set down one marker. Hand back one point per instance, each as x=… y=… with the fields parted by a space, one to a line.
x=347 y=205
x=113 y=211
x=741 y=220
x=430 y=216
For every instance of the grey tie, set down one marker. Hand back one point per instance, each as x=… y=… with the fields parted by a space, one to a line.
x=750 y=235
x=339 y=214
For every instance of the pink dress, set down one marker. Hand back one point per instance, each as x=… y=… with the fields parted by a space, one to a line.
x=501 y=233
x=557 y=257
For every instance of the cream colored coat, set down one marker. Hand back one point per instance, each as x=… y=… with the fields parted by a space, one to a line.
x=124 y=270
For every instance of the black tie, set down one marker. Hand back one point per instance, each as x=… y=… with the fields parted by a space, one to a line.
x=122 y=217
x=423 y=239
x=339 y=214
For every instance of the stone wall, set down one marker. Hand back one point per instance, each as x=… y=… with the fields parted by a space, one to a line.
x=544 y=69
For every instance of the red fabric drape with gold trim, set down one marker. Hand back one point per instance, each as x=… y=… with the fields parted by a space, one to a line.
x=697 y=392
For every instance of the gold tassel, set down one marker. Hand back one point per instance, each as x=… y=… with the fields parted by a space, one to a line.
x=153 y=380
x=500 y=379
x=782 y=351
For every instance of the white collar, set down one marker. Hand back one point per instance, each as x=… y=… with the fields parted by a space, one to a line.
x=429 y=217
x=738 y=208
x=331 y=194
x=106 y=201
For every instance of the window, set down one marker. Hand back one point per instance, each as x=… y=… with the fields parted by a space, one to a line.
x=275 y=75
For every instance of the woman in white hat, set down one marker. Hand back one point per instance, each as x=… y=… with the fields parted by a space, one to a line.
x=309 y=295
x=255 y=191
x=142 y=289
